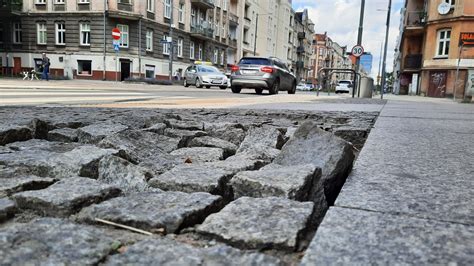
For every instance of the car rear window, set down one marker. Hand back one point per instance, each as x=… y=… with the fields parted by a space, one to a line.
x=254 y=61
x=344 y=82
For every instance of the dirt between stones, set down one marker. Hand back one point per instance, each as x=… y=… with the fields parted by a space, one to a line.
x=222 y=187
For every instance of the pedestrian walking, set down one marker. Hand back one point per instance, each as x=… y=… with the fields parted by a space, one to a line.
x=45 y=64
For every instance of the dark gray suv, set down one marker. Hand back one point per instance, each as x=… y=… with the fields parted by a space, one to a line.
x=262 y=73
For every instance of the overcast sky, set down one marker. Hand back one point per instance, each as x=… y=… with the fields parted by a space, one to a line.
x=340 y=19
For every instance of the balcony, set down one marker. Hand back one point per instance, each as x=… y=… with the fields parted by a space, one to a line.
x=415 y=19
x=299 y=64
x=413 y=61
x=233 y=19
x=301 y=35
x=202 y=32
x=300 y=49
x=8 y=7
x=232 y=42
x=204 y=4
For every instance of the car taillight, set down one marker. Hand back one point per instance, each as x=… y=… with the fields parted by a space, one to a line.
x=234 y=68
x=267 y=69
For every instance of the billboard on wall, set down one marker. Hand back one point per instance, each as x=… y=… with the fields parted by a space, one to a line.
x=466 y=38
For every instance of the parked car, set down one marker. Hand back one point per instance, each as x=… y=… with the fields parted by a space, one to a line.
x=302 y=86
x=344 y=86
x=262 y=73
x=204 y=75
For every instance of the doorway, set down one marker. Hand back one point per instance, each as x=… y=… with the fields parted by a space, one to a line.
x=124 y=69
x=16 y=65
x=437 y=86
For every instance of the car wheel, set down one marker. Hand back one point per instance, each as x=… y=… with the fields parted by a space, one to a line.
x=275 y=88
x=236 y=89
x=185 y=83
x=292 y=90
x=223 y=87
x=198 y=83
x=208 y=87
x=258 y=91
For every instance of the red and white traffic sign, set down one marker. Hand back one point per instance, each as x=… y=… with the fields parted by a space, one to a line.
x=357 y=51
x=116 y=34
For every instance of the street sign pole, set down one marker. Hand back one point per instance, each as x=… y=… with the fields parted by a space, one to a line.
x=359 y=40
x=384 y=66
x=116 y=35
x=171 y=44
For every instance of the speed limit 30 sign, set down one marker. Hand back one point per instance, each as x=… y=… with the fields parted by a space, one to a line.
x=357 y=51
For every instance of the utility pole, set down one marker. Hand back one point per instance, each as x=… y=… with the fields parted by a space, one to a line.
x=359 y=38
x=255 y=40
x=457 y=70
x=384 y=66
x=380 y=64
x=171 y=44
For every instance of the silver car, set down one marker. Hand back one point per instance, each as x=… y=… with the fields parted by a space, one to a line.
x=208 y=76
x=261 y=73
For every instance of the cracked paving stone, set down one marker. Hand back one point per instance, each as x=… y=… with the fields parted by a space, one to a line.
x=9 y=186
x=65 y=197
x=165 y=251
x=292 y=182
x=94 y=133
x=194 y=178
x=233 y=133
x=206 y=141
x=199 y=154
x=54 y=159
x=151 y=211
x=128 y=177
x=256 y=223
x=184 y=125
x=261 y=137
x=51 y=241
x=63 y=134
x=146 y=149
x=11 y=132
x=7 y=209
x=185 y=136
x=311 y=145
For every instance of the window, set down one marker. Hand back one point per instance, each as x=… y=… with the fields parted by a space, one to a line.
x=224 y=4
x=41 y=33
x=124 y=2
x=123 y=42
x=149 y=71
x=217 y=28
x=166 y=45
x=181 y=13
x=40 y=2
x=17 y=32
x=191 y=50
x=150 y=5
x=180 y=47
x=83 y=1
x=222 y=57
x=223 y=31
x=193 y=17
x=149 y=40
x=59 y=2
x=444 y=40
x=216 y=55
x=84 y=67
x=167 y=8
x=85 y=33
x=60 y=33
x=200 y=52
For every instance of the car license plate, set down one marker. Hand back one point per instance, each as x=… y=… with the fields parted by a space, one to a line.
x=248 y=71
x=216 y=82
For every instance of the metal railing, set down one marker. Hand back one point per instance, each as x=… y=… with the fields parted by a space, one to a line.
x=415 y=19
x=205 y=31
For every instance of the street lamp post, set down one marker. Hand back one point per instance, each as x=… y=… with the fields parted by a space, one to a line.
x=384 y=66
x=359 y=38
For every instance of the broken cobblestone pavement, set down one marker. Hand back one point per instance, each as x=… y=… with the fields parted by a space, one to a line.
x=225 y=185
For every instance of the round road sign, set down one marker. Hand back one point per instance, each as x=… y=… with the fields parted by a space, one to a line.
x=357 y=51
x=116 y=34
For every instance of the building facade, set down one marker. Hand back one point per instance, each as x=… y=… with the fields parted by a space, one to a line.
x=432 y=60
x=303 y=32
x=76 y=36
x=329 y=54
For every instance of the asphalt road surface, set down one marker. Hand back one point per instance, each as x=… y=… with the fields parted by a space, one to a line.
x=14 y=92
